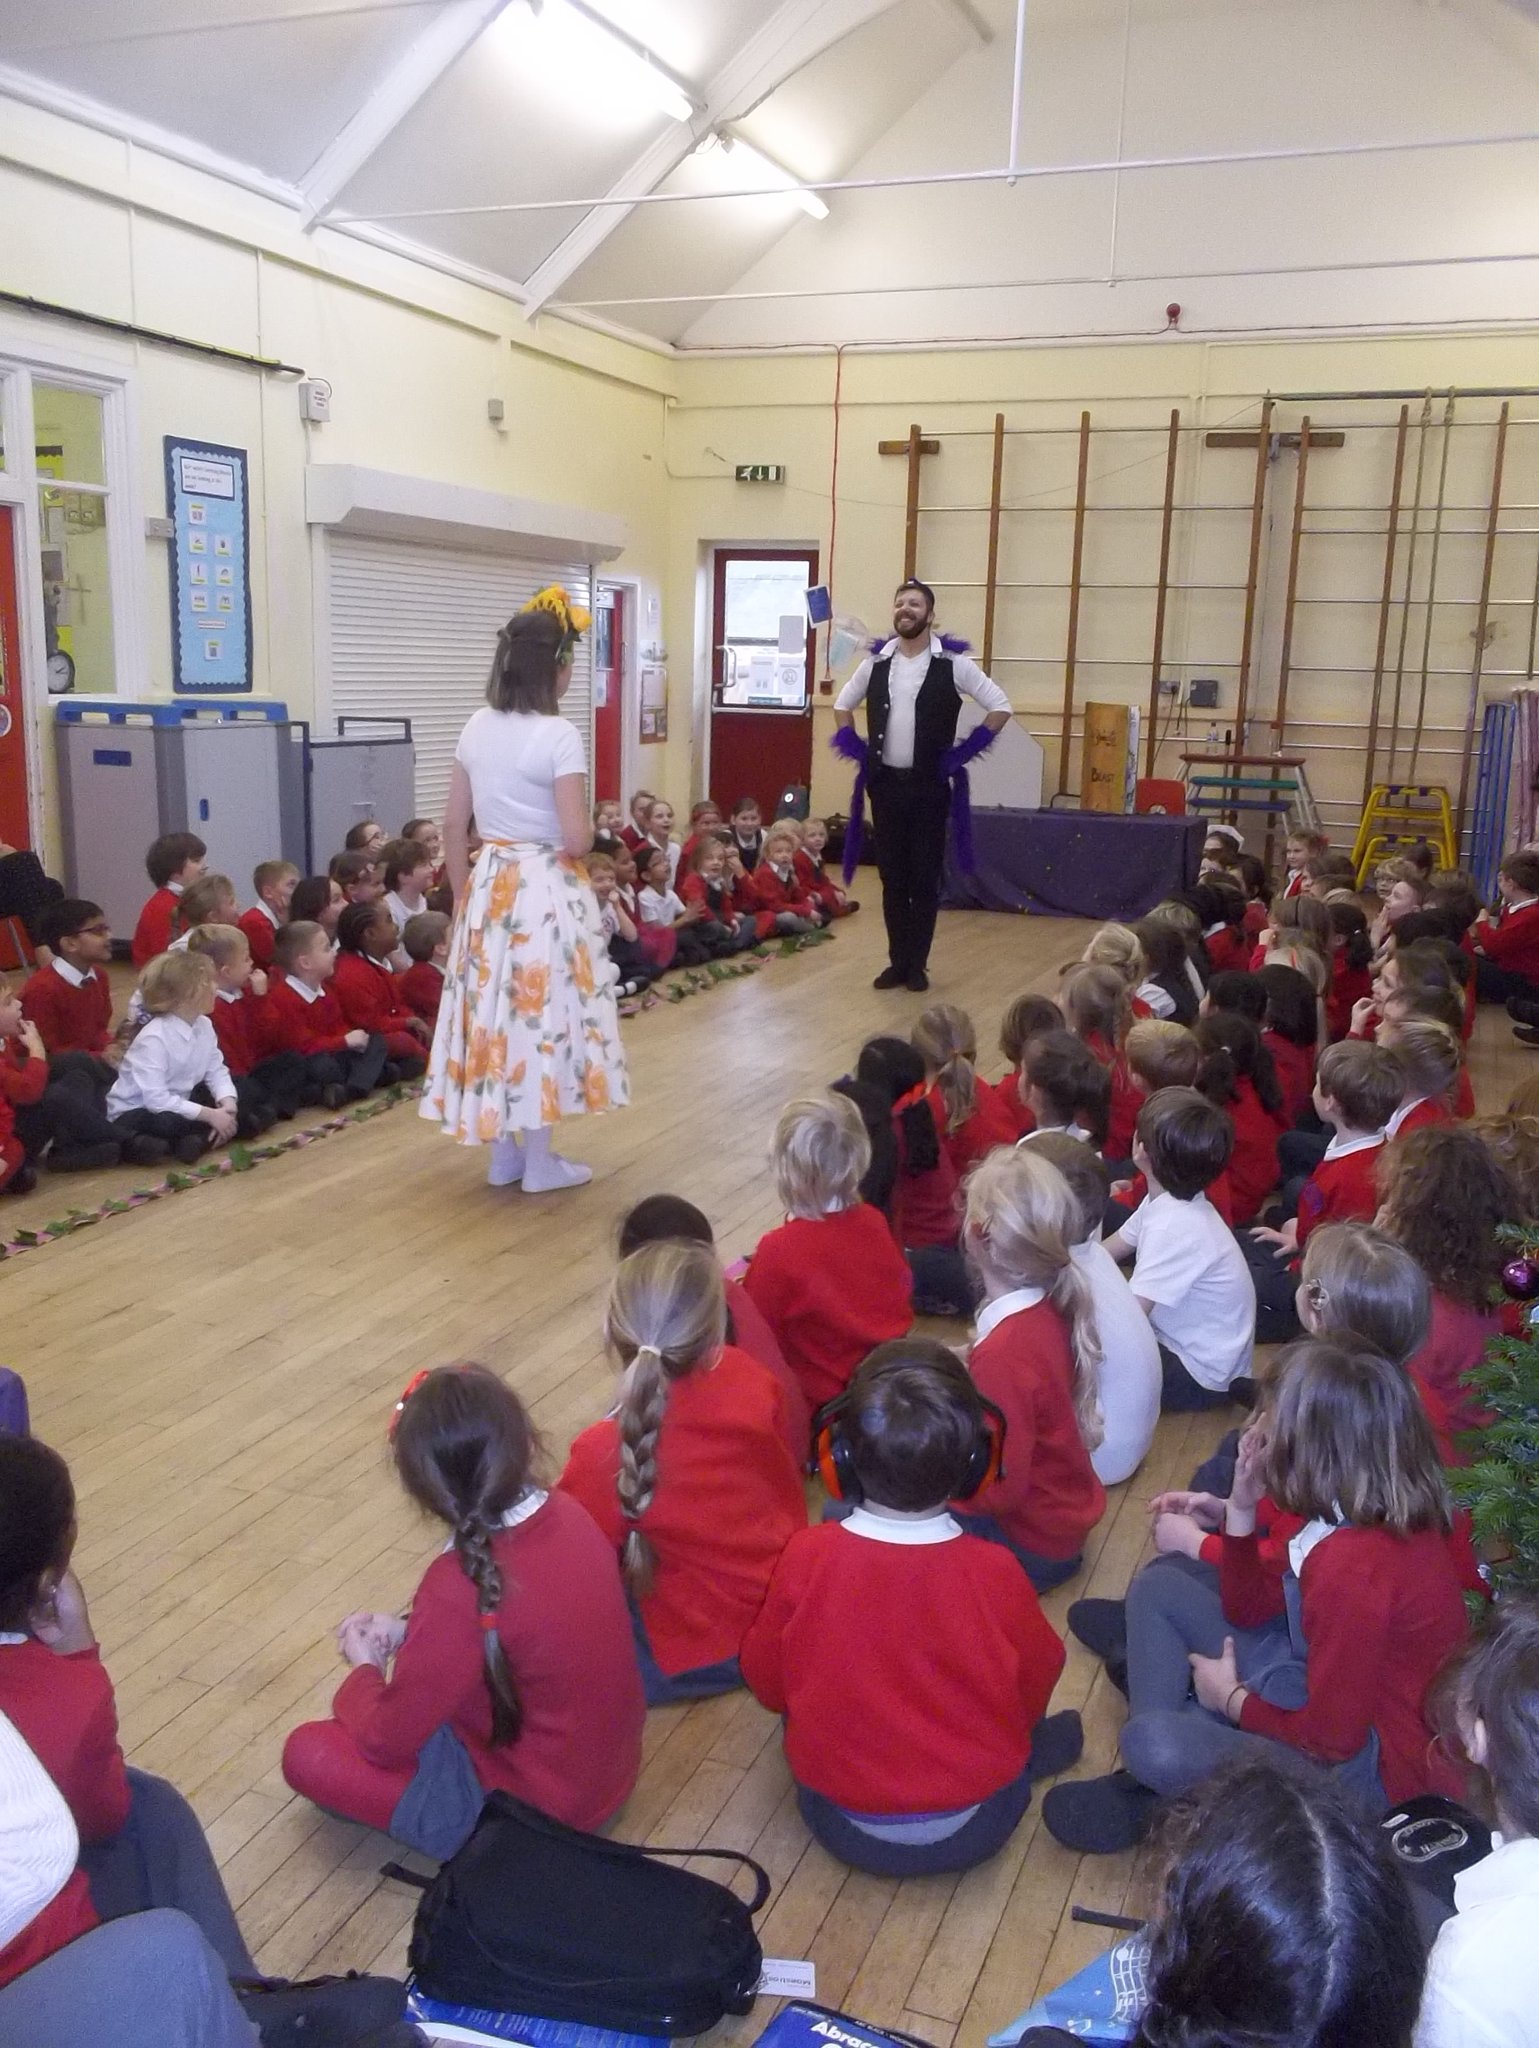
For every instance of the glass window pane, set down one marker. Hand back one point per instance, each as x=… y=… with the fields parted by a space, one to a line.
x=765 y=634
x=77 y=592
x=68 y=427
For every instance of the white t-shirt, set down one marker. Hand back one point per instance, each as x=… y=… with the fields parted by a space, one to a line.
x=1482 y=1986
x=1130 y=1366
x=903 y=685
x=1187 y=1263
x=513 y=759
x=659 y=906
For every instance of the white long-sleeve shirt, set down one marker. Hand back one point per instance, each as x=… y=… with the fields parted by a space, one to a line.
x=1483 y=1973
x=168 y=1058
x=38 y=1842
x=904 y=681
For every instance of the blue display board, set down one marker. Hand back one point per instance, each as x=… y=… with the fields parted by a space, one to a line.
x=210 y=568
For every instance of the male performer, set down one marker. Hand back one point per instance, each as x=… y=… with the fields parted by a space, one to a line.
x=913 y=691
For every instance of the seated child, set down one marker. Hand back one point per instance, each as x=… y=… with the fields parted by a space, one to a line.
x=635 y=833
x=1432 y=1057
x=968 y=1113
x=69 y=1000
x=515 y=1655
x=608 y=823
x=367 y=836
x=1291 y=1034
x=140 y=1843
x=925 y=1216
x=367 y=993
x=1372 y=1589
x=1028 y=1017
x=827 y=893
x=1296 y=921
x=425 y=941
x=830 y=1281
x=669 y=1217
x=1351 y=966
x=173 y=1083
x=265 y=1088
x=1174 y=911
x=1116 y=946
x=777 y=888
x=1128 y=1379
x=1403 y=889
x=662 y=909
x=1162 y=1054
x=317 y=899
x=301 y=1015
x=724 y=927
x=1237 y=1074
x=426 y=833
x=1235 y=989
x=913 y=1747
x=1300 y=846
x=61 y=1120
x=1220 y=909
x=1097 y=1006
x=408 y=872
x=1167 y=986
x=660 y=836
x=658 y=942
x=1037 y=1358
x=1189 y=1275
x=1506 y=941
x=622 y=938
x=705 y=822
x=690 y=1478
x=173 y=861
x=747 y=831
x=1067 y=1089
x=208 y=900
x=357 y=875
x=274 y=882
x=1445 y=1195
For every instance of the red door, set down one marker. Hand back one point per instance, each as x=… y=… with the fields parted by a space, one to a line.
x=15 y=825
x=761 y=674
x=608 y=682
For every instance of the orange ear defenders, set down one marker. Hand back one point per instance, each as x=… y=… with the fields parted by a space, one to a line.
x=835 y=1460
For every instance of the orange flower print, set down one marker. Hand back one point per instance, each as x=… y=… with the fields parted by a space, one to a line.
x=497 y=1052
x=490 y=1125
x=516 y=1078
x=531 y=987
x=504 y=891
x=582 y=969
x=550 y=1101
x=479 y=1055
x=595 y=1088
x=454 y=1074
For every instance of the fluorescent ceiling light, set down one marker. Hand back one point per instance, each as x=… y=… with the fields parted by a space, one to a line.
x=760 y=169
x=573 y=49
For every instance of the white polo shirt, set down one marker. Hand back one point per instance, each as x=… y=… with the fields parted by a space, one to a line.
x=1483 y=1973
x=1187 y=1263
x=903 y=685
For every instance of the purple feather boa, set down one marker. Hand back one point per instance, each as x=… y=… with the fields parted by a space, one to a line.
x=954 y=764
x=849 y=746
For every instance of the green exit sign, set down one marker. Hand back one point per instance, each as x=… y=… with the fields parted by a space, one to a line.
x=760 y=472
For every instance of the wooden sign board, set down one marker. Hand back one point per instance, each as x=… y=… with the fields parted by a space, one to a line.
x=1103 y=777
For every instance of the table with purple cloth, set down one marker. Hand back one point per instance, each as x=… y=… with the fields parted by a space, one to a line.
x=1075 y=863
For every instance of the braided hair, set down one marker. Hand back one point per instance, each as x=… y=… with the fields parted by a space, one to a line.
x=667 y=1318
x=463 y=1448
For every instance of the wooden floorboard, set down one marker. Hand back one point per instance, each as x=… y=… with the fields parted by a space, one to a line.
x=218 y=1368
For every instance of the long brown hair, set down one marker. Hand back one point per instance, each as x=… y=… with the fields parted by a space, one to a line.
x=463 y=1448
x=1444 y=1194
x=524 y=668
x=1349 y=1441
x=945 y=1040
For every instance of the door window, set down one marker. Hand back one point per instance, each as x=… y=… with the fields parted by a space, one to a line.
x=762 y=659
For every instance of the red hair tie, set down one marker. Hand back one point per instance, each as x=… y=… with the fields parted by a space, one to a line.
x=489 y=1623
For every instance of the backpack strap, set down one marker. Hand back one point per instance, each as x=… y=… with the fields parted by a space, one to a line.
x=761 y=1876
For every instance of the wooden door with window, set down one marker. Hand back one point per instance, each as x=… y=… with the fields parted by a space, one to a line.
x=761 y=673
x=609 y=625
x=15 y=822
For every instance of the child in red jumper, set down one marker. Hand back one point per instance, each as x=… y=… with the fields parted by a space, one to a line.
x=515 y=1658
x=1351 y=966
x=140 y=1842
x=819 y=882
x=39 y=1116
x=926 y=1215
x=830 y=1282
x=173 y=861
x=1237 y=1074
x=1037 y=1356
x=1337 y=1660
x=967 y=1110
x=1028 y=1017
x=265 y=1089
x=69 y=1000
x=1098 y=1008
x=300 y=1015
x=274 y=882
x=777 y=888
x=690 y=1478
x=1507 y=943
x=911 y=1662
x=368 y=994
x=703 y=881
x=425 y=941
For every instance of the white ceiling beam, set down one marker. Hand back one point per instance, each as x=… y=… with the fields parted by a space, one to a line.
x=795 y=33
x=410 y=78
x=970 y=17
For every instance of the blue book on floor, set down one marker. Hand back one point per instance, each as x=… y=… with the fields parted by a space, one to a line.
x=474 y=2023
x=1101 y=2004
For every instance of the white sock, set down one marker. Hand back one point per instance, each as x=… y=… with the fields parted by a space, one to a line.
x=545 y=1170
x=507 y=1165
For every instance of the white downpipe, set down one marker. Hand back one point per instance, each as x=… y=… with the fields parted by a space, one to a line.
x=1015 y=90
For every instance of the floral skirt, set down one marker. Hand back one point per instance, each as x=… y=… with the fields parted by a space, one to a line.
x=527 y=1029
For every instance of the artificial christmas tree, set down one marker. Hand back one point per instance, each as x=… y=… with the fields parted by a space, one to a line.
x=1501 y=1486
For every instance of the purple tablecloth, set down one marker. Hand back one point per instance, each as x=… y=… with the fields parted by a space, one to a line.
x=1075 y=863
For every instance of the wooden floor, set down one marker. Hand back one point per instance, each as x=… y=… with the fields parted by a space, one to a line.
x=219 y=1369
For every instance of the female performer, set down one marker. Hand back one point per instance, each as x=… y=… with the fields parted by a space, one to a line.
x=527 y=1030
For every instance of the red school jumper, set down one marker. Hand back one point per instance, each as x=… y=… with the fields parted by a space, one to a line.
x=1252 y=1165
x=156 y=927
x=261 y=934
x=369 y=999
x=69 y=1019
x=566 y=1633
x=1295 y=1066
x=1348 y=986
x=749 y=1329
x=1343 y=1190
x=925 y=1207
x=289 y=1024
x=1126 y=1098
x=421 y=989
x=1456 y=1342
x=821 y=886
x=1381 y=1615
x=238 y=1031
x=1513 y=941
x=1228 y=950
x=728 y=1502
x=775 y=892
x=1009 y=1093
x=991 y=1124
x=716 y=897
x=926 y=1716
x=1049 y=1498
x=745 y=901
x=831 y=1289
x=22 y=1081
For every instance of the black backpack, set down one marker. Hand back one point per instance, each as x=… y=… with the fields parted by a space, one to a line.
x=534 y=1917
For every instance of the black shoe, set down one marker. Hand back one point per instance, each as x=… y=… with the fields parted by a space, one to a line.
x=333 y=1096
x=1523 y=1009
x=328 y=2012
x=917 y=980
x=890 y=977
x=1057 y=1744
x=1099 y=1816
x=145 y=1151
x=190 y=1150
x=22 y=1181
x=1101 y=1625
x=84 y=1158
x=1526 y=1034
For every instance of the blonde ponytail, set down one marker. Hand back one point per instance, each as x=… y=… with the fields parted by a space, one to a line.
x=1022 y=1218
x=945 y=1040
x=667 y=1318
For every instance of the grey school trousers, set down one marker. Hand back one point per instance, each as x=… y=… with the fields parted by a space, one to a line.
x=148 y=1981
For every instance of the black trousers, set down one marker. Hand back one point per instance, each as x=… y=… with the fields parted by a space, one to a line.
x=908 y=814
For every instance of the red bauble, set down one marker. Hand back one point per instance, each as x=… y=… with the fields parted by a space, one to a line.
x=1520 y=1279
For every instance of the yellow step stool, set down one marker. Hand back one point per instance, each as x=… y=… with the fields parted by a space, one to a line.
x=1400 y=813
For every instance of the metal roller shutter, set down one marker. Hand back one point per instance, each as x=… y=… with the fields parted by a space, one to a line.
x=412 y=633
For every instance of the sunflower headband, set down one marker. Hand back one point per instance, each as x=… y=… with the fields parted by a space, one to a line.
x=573 y=620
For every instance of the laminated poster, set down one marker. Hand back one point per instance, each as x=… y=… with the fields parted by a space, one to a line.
x=210 y=568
